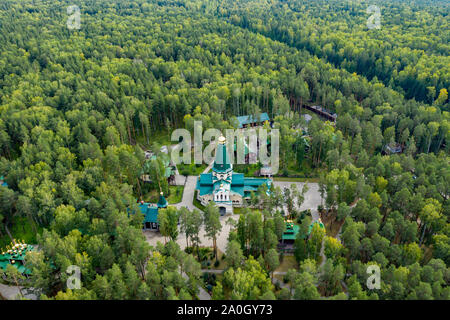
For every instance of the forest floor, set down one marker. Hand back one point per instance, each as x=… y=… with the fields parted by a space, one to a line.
x=332 y=226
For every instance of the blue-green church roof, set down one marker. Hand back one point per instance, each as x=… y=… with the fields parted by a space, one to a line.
x=222 y=162
x=162 y=202
x=239 y=184
x=149 y=211
x=248 y=119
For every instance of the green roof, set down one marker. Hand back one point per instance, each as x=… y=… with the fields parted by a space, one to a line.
x=238 y=189
x=222 y=162
x=17 y=255
x=237 y=179
x=206 y=179
x=290 y=232
x=149 y=211
x=255 y=181
x=244 y=120
x=312 y=225
x=239 y=184
x=162 y=202
x=3 y=182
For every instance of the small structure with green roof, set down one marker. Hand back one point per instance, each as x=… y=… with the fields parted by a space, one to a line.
x=3 y=182
x=169 y=172
x=318 y=222
x=290 y=232
x=14 y=255
x=150 y=212
x=252 y=121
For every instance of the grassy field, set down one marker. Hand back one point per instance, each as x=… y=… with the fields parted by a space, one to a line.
x=289 y=262
x=175 y=195
x=21 y=230
x=197 y=203
x=249 y=170
x=191 y=169
x=239 y=210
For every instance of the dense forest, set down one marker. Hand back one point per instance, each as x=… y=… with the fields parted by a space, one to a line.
x=78 y=108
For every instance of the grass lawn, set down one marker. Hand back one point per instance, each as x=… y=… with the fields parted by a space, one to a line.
x=175 y=195
x=161 y=137
x=208 y=258
x=249 y=170
x=191 y=169
x=302 y=173
x=21 y=230
x=197 y=203
x=222 y=264
x=239 y=210
x=289 y=262
x=279 y=277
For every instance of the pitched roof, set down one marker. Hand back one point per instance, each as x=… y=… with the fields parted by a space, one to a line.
x=237 y=179
x=149 y=211
x=15 y=257
x=243 y=120
x=222 y=162
x=206 y=179
x=162 y=202
x=255 y=181
x=291 y=231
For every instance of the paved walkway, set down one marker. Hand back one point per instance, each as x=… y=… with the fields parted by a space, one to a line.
x=180 y=180
x=188 y=194
x=312 y=197
x=13 y=293
x=202 y=294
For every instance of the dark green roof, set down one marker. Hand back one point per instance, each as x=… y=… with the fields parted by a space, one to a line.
x=312 y=225
x=162 y=202
x=16 y=255
x=243 y=120
x=149 y=211
x=290 y=231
